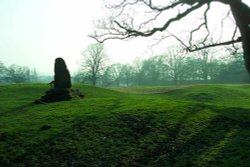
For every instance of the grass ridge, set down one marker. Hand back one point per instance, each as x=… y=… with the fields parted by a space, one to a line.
x=198 y=125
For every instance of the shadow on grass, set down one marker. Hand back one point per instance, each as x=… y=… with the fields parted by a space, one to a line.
x=142 y=139
x=19 y=109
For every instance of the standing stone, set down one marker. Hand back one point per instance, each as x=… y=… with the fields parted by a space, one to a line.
x=62 y=76
x=61 y=90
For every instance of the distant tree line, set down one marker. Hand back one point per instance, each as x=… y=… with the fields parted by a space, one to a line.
x=172 y=68
x=17 y=74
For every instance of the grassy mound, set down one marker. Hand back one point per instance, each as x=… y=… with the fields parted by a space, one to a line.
x=212 y=93
x=205 y=125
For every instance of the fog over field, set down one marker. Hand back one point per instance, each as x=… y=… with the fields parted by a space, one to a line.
x=34 y=33
x=145 y=83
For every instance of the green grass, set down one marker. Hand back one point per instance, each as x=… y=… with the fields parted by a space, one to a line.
x=197 y=126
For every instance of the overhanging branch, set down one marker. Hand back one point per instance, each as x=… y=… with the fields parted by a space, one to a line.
x=131 y=32
x=215 y=44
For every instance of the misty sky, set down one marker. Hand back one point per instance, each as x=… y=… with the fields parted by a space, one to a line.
x=34 y=32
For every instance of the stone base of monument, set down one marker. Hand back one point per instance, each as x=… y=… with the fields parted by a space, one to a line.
x=57 y=94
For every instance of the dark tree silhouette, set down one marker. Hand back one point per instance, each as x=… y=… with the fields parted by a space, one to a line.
x=122 y=24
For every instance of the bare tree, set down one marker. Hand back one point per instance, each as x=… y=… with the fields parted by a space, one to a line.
x=175 y=62
x=145 y=18
x=112 y=75
x=94 y=62
x=17 y=74
x=3 y=71
x=205 y=58
x=127 y=73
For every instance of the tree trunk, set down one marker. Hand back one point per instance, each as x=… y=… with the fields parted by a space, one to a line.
x=241 y=13
x=94 y=80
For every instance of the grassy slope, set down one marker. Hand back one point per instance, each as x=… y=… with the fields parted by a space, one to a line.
x=206 y=125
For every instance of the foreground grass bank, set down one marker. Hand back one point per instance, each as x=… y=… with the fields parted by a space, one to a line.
x=206 y=125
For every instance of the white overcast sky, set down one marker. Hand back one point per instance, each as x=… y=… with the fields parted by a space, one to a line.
x=34 y=32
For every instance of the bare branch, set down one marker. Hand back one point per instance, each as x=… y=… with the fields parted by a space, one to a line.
x=222 y=22
x=123 y=4
x=150 y=20
x=115 y=29
x=151 y=6
x=234 y=34
x=215 y=44
x=129 y=22
x=193 y=48
x=159 y=40
x=107 y=38
x=203 y=24
x=131 y=32
x=206 y=21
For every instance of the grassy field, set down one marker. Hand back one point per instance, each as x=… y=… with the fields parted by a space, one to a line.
x=196 y=126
